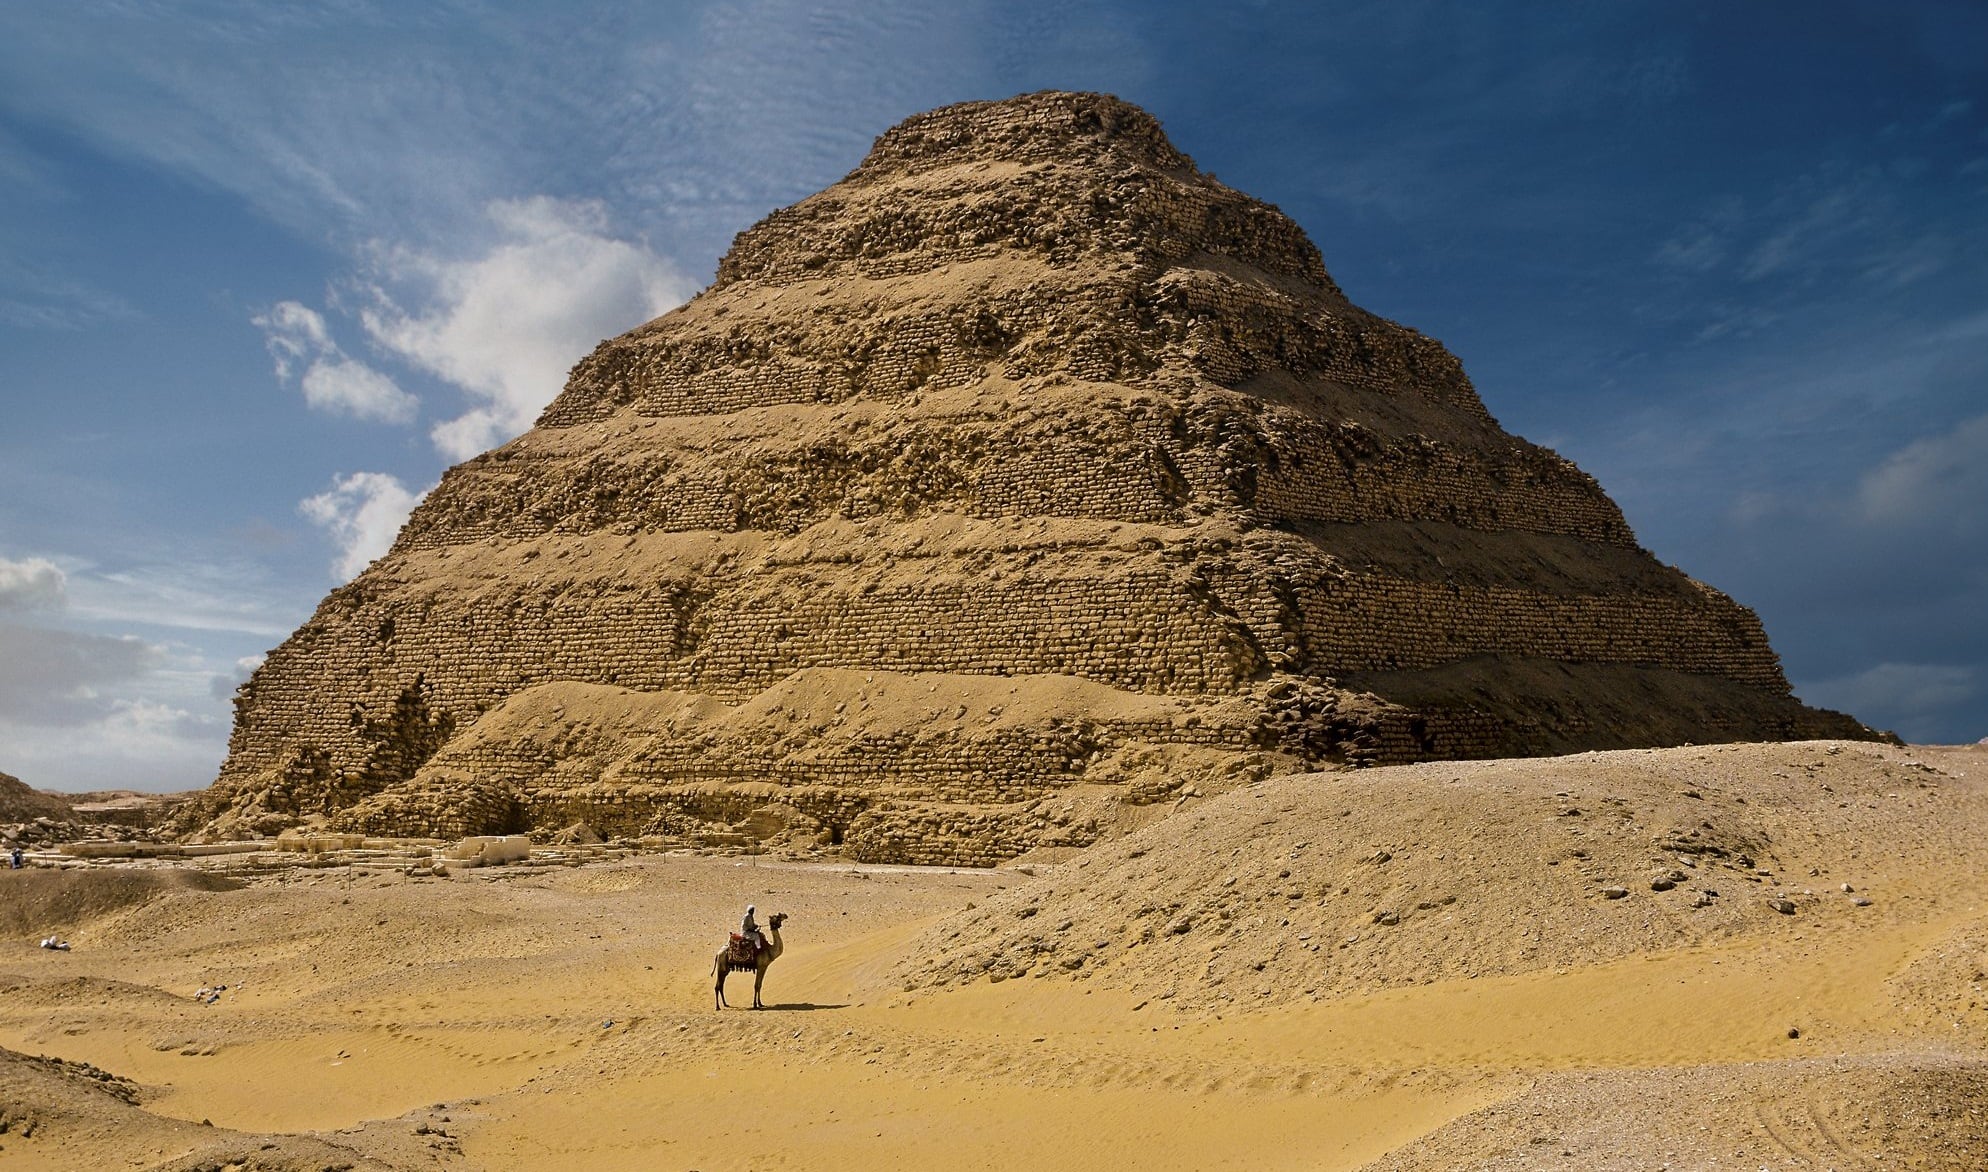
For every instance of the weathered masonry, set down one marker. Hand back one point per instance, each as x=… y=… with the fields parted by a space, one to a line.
x=986 y=498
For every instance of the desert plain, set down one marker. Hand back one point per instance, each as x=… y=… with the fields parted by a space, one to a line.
x=1484 y=965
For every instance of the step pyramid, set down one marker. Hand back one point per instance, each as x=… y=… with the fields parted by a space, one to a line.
x=1015 y=488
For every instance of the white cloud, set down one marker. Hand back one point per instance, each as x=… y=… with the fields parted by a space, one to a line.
x=333 y=382
x=469 y=433
x=32 y=584
x=294 y=333
x=507 y=326
x=1941 y=479
x=504 y=326
x=353 y=388
x=362 y=512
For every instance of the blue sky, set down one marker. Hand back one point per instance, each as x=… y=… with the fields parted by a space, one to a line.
x=266 y=270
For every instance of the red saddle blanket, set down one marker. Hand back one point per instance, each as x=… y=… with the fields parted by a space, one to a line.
x=740 y=951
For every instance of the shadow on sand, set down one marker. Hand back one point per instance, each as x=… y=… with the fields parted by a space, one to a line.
x=793 y=1006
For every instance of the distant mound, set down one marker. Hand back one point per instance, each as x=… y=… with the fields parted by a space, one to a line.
x=1024 y=397
x=51 y=1109
x=19 y=802
x=40 y=900
x=1303 y=886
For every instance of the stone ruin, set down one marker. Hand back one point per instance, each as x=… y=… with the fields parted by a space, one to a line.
x=1003 y=494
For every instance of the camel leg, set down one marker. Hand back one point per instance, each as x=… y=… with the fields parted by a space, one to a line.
x=722 y=973
x=758 y=979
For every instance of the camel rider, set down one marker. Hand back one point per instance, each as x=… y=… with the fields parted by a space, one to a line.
x=750 y=930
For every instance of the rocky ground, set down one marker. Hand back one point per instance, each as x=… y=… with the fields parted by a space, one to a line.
x=1492 y=965
x=35 y=819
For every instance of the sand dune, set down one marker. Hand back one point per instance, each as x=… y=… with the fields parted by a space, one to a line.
x=1306 y=886
x=1514 y=1014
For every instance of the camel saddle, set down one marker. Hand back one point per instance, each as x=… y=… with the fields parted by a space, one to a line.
x=740 y=954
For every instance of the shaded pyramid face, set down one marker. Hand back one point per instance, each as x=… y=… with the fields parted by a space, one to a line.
x=1025 y=478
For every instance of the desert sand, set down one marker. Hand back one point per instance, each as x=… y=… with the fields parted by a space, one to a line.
x=1506 y=964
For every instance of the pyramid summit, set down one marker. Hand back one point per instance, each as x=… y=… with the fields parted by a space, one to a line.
x=1021 y=481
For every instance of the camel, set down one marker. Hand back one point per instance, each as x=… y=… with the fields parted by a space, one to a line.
x=768 y=953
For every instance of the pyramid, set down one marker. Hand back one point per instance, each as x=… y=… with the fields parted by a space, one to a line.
x=1010 y=491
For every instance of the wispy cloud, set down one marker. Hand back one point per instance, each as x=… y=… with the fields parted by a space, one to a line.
x=23 y=174
x=332 y=381
x=1870 y=221
x=1939 y=482
x=1819 y=221
x=505 y=326
x=83 y=708
x=368 y=118
x=34 y=298
x=258 y=101
x=57 y=677
x=362 y=512
x=429 y=160
x=295 y=333
x=1798 y=409
x=435 y=158
x=143 y=744
x=224 y=596
x=1704 y=243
